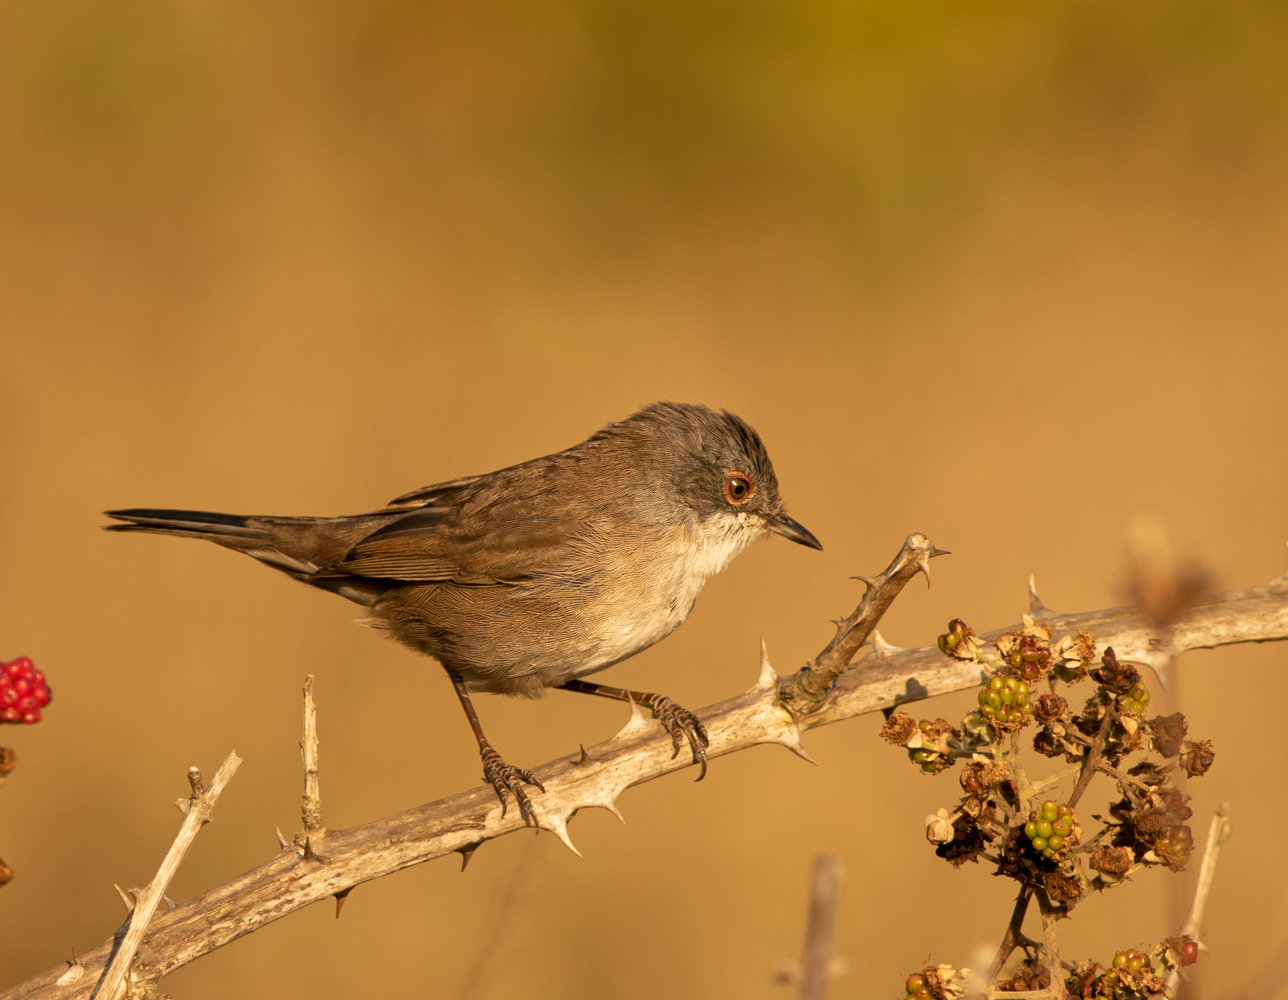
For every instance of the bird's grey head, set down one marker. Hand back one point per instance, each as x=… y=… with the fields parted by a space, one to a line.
x=714 y=464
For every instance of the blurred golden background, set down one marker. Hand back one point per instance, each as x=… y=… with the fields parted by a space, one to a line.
x=1010 y=276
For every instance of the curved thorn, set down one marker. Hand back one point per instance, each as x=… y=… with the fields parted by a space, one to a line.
x=794 y=745
x=559 y=828
x=869 y=583
x=128 y=898
x=1036 y=607
x=635 y=725
x=882 y=648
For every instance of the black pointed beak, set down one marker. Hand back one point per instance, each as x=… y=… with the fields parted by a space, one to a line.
x=788 y=528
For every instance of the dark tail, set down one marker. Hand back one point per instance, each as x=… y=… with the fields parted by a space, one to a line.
x=298 y=546
x=226 y=529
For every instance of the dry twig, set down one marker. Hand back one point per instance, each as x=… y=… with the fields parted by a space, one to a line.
x=818 y=964
x=1218 y=833
x=197 y=811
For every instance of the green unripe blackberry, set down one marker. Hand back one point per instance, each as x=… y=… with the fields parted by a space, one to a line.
x=1005 y=700
x=953 y=642
x=1049 y=826
x=1136 y=701
x=1176 y=846
x=1130 y=960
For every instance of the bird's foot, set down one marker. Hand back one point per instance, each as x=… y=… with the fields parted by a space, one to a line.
x=508 y=779
x=681 y=724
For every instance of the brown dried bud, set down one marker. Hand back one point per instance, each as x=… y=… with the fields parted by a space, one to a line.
x=1113 y=861
x=1047 y=744
x=1086 y=975
x=1028 y=977
x=899 y=728
x=1049 y=707
x=7 y=759
x=1198 y=757
x=1114 y=676
x=1151 y=824
x=978 y=776
x=1084 y=651
x=1169 y=733
x=6 y=873
x=1063 y=889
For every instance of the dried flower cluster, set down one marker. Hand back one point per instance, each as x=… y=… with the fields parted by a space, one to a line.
x=1057 y=851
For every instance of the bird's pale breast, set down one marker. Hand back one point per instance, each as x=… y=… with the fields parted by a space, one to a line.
x=608 y=602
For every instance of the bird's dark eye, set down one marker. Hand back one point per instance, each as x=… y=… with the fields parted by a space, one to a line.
x=738 y=488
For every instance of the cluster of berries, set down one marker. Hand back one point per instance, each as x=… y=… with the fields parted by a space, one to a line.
x=1136 y=701
x=1005 y=699
x=950 y=640
x=1049 y=826
x=1028 y=657
x=1130 y=960
x=918 y=988
x=23 y=692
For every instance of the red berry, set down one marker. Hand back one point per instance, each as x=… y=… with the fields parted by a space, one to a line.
x=23 y=691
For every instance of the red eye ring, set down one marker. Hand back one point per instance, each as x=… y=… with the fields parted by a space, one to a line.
x=739 y=488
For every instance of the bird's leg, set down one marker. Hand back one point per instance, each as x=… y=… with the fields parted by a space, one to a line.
x=500 y=775
x=679 y=722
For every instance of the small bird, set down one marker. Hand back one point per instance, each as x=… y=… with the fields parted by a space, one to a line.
x=536 y=575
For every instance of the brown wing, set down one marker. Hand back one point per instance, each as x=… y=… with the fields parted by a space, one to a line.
x=497 y=529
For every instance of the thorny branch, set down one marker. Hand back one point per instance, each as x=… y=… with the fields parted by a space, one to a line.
x=804 y=691
x=197 y=811
x=640 y=752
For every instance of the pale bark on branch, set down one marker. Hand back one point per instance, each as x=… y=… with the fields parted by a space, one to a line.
x=330 y=862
